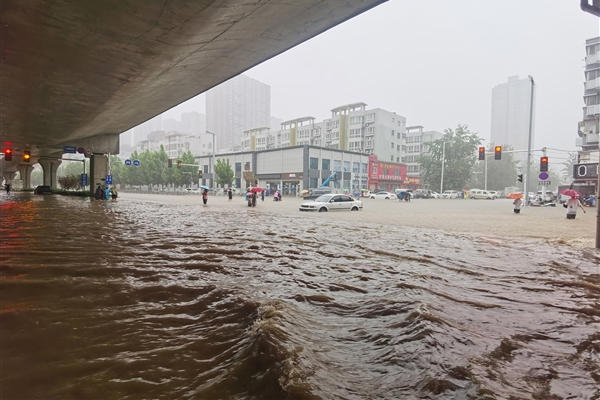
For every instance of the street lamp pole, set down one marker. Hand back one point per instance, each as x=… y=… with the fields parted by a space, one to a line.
x=529 y=141
x=212 y=163
x=443 y=162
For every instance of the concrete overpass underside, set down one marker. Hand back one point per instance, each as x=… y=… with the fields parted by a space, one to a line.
x=82 y=72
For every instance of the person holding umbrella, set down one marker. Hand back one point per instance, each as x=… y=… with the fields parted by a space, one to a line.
x=517 y=201
x=573 y=203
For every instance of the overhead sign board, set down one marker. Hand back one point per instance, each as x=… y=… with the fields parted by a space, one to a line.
x=69 y=149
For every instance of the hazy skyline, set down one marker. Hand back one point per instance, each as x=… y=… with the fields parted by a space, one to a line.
x=436 y=63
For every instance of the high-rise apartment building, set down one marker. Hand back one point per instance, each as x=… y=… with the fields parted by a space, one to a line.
x=586 y=170
x=416 y=144
x=510 y=115
x=235 y=106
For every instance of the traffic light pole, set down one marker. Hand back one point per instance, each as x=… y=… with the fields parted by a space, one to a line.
x=526 y=194
x=598 y=207
x=485 y=174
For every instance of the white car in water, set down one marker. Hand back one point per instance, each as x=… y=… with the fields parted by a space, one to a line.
x=332 y=202
x=383 y=195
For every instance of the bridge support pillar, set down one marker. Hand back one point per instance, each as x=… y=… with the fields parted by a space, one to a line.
x=25 y=172
x=98 y=170
x=49 y=166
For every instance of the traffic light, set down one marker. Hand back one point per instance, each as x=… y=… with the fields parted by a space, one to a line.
x=482 y=153
x=200 y=174
x=8 y=152
x=498 y=153
x=26 y=156
x=170 y=163
x=520 y=177
x=179 y=163
x=544 y=164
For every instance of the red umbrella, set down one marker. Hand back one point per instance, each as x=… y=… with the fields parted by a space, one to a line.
x=514 y=195
x=571 y=192
x=256 y=189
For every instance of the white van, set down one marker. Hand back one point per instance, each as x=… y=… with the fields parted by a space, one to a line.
x=481 y=194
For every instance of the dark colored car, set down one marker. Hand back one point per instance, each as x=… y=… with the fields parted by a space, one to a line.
x=43 y=189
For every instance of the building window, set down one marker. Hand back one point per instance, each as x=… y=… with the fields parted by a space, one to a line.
x=337 y=165
x=346 y=166
x=385 y=171
x=356 y=167
x=325 y=163
x=364 y=168
x=314 y=163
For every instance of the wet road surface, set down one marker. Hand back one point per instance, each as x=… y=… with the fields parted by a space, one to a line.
x=168 y=299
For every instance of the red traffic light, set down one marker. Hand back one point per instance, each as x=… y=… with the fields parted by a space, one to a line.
x=498 y=152
x=170 y=163
x=482 y=153
x=544 y=164
x=8 y=153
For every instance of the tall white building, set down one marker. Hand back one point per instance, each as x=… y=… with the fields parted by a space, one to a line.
x=416 y=144
x=585 y=172
x=234 y=106
x=510 y=115
x=589 y=127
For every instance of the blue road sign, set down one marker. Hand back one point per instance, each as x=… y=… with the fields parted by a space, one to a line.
x=84 y=180
x=69 y=149
x=543 y=176
x=80 y=150
x=136 y=163
x=128 y=162
x=108 y=179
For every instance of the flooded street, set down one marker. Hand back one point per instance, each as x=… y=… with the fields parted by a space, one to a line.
x=160 y=297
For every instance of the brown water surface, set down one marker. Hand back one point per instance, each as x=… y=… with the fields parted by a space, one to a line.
x=157 y=299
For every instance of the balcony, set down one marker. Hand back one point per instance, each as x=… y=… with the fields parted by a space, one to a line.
x=590 y=111
x=592 y=59
x=593 y=84
x=588 y=140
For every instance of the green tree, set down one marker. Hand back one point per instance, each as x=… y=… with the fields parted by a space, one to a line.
x=500 y=173
x=460 y=157
x=72 y=168
x=224 y=173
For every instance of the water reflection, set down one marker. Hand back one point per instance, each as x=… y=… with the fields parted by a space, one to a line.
x=134 y=299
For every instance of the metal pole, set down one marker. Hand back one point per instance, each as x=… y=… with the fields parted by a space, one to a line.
x=212 y=169
x=485 y=174
x=529 y=141
x=598 y=205
x=443 y=162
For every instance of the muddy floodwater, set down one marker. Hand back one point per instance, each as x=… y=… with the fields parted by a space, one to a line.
x=162 y=298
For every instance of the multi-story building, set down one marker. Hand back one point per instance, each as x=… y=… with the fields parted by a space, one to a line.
x=175 y=143
x=416 y=144
x=292 y=169
x=586 y=171
x=258 y=139
x=511 y=103
x=234 y=106
x=375 y=131
x=352 y=127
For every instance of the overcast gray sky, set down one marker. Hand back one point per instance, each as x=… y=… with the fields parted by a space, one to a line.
x=435 y=62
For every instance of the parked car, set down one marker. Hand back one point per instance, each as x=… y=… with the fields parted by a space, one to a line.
x=435 y=195
x=481 y=194
x=317 y=192
x=450 y=194
x=43 y=189
x=496 y=193
x=332 y=202
x=383 y=195
x=422 y=194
